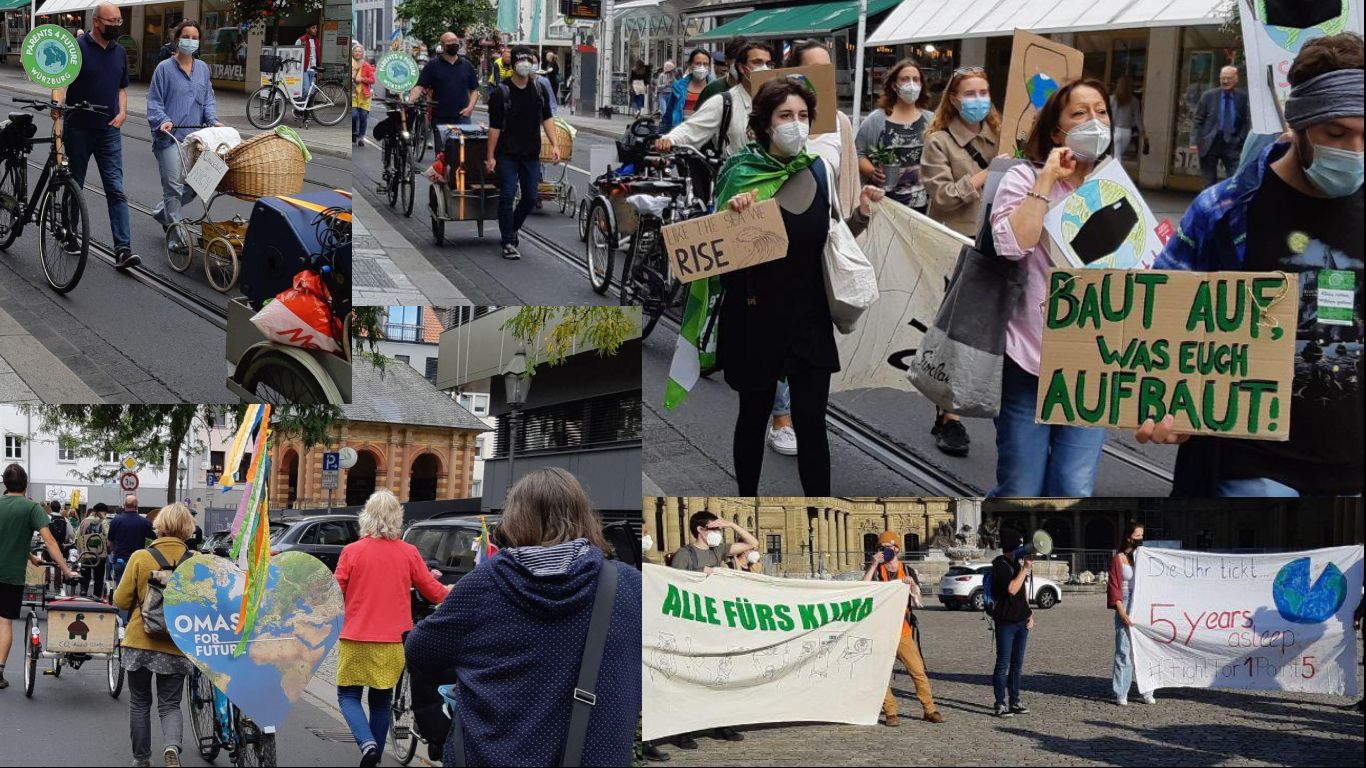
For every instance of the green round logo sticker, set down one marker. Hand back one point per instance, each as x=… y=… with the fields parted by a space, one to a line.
x=51 y=57
x=397 y=71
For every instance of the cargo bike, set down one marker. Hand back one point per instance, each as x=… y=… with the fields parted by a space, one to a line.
x=79 y=630
x=463 y=191
x=263 y=166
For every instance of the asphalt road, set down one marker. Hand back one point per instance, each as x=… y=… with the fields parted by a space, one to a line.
x=72 y=720
x=131 y=339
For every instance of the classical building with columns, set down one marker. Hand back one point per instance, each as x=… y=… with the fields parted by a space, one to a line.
x=805 y=535
x=408 y=436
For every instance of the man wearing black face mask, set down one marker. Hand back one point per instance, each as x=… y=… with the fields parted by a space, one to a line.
x=103 y=81
x=887 y=566
x=452 y=83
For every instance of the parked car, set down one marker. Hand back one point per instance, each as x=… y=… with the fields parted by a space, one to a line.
x=962 y=587
x=447 y=545
x=322 y=536
x=220 y=542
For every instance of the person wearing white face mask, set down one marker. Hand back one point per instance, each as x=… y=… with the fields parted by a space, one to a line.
x=1071 y=134
x=1296 y=208
x=518 y=111
x=750 y=562
x=774 y=318
x=708 y=125
x=898 y=127
x=681 y=101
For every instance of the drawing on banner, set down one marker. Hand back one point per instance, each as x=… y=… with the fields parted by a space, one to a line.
x=1105 y=223
x=913 y=257
x=1038 y=68
x=1274 y=31
x=1278 y=621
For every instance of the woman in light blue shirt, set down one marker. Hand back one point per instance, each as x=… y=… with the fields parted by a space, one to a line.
x=180 y=94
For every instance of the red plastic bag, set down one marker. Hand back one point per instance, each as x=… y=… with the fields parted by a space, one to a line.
x=436 y=173
x=302 y=316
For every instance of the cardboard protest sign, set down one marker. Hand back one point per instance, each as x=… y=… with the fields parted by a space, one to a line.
x=299 y=620
x=1038 y=67
x=1215 y=350
x=208 y=170
x=1274 y=31
x=736 y=648
x=1105 y=223
x=1278 y=622
x=819 y=78
x=913 y=257
x=724 y=242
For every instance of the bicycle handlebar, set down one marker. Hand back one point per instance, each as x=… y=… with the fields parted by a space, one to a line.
x=38 y=105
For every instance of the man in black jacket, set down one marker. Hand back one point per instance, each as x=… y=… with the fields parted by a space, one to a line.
x=1013 y=619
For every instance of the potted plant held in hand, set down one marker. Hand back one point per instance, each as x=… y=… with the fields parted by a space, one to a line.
x=886 y=160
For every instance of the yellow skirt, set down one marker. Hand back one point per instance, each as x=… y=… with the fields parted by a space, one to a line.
x=373 y=665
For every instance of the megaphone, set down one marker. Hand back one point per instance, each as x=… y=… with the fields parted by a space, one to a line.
x=1039 y=544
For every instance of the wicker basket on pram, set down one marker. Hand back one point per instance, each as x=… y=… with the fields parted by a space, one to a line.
x=264 y=166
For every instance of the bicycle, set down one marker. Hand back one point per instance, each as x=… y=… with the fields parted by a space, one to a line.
x=326 y=101
x=57 y=205
x=398 y=180
x=421 y=129
x=102 y=642
x=219 y=725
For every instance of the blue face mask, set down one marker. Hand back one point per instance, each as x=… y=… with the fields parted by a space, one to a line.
x=888 y=555
x=188 y=46
x=1335 y=172
x=976 y=110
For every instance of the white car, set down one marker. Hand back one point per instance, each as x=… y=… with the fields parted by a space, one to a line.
x=962 y=586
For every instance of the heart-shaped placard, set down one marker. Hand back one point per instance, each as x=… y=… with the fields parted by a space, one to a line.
x=298 y=622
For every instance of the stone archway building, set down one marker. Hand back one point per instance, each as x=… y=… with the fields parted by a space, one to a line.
x=404 y=424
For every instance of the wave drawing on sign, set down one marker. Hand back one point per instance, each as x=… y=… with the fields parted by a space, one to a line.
x=765 y=244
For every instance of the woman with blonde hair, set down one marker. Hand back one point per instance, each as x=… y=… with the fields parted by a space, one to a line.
x=516 y=629
x=146 y=654
x=376 y=573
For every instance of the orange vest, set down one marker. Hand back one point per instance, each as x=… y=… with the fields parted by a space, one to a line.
x=905 y=625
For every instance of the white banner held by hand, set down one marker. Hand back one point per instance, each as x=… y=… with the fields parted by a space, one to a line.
x=1266 y=622
x=739 y=648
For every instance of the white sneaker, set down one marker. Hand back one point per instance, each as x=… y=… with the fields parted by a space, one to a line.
x=783 y=440
x=1122 y=701
x=1148 y=699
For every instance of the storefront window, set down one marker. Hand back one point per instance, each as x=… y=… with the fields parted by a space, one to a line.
x=158 y=21
x=937 y=62
x=1204 y=51
x=224 y=41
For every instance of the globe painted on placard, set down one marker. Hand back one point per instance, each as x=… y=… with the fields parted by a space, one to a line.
x=299 y=621
x=51 y=57
x=1040 y=87
x=1303 y=603
x=1091 y=197
x=1302 y=20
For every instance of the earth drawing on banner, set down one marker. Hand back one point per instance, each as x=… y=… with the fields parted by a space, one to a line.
x=1292 y=23
x=299 y=620
x=1102 y=225
x=1303 y=603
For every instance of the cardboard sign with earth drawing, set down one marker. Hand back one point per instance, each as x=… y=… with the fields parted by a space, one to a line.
x=1038 y=68
x=1213 y=349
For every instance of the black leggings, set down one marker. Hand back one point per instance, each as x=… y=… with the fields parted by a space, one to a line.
x=810 y=395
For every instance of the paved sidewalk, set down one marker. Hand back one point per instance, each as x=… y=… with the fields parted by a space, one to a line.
x=29 y=373
x=334 y=141
x=387 y=270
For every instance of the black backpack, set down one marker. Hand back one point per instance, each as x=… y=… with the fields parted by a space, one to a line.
x=152 y=605
x=541 y=101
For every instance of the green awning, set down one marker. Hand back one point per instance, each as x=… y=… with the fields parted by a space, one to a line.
x=795 y=21
x=13 y=5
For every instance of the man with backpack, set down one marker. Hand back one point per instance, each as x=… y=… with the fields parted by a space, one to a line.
x=61 y=529
x=723 y=122
x=887 y=566
x=519 y=108
x=92 y=545
x=128 y=532
x=1013 y=619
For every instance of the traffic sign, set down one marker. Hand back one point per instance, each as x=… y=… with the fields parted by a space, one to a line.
x=330 y=477
x=129 y=463
x=331 y=461
x=128 y=481
x=348 y=457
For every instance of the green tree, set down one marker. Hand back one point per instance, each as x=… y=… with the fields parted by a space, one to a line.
x=428 y=19
x=565 y=328
x=157 y=435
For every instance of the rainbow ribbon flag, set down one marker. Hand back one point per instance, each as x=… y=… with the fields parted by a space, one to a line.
x=483 y=547
x=251 y=525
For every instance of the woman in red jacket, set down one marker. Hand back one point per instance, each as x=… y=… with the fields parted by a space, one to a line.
x=375 y=574
x=1118 y=592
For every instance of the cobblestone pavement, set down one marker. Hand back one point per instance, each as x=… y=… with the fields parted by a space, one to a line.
x=1073 y=719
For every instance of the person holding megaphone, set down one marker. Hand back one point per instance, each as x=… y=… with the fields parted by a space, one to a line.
x=1013 y=618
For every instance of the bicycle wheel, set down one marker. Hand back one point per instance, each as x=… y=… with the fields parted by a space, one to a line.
x=421 y=133
x=13 y=194
x=115 y=669
x=402 y=736
x=330 y=103
x=63 y=234
x=255 y=747
x=394 y=162
x=179 y=246
x=200 y=694
x=582 y=216
x=600 y=250
x=32 y=651
x=221 y=264
x=266 y=107
x=279 y=379
x=407 y=185
x=438 y=226
x=56 y=666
